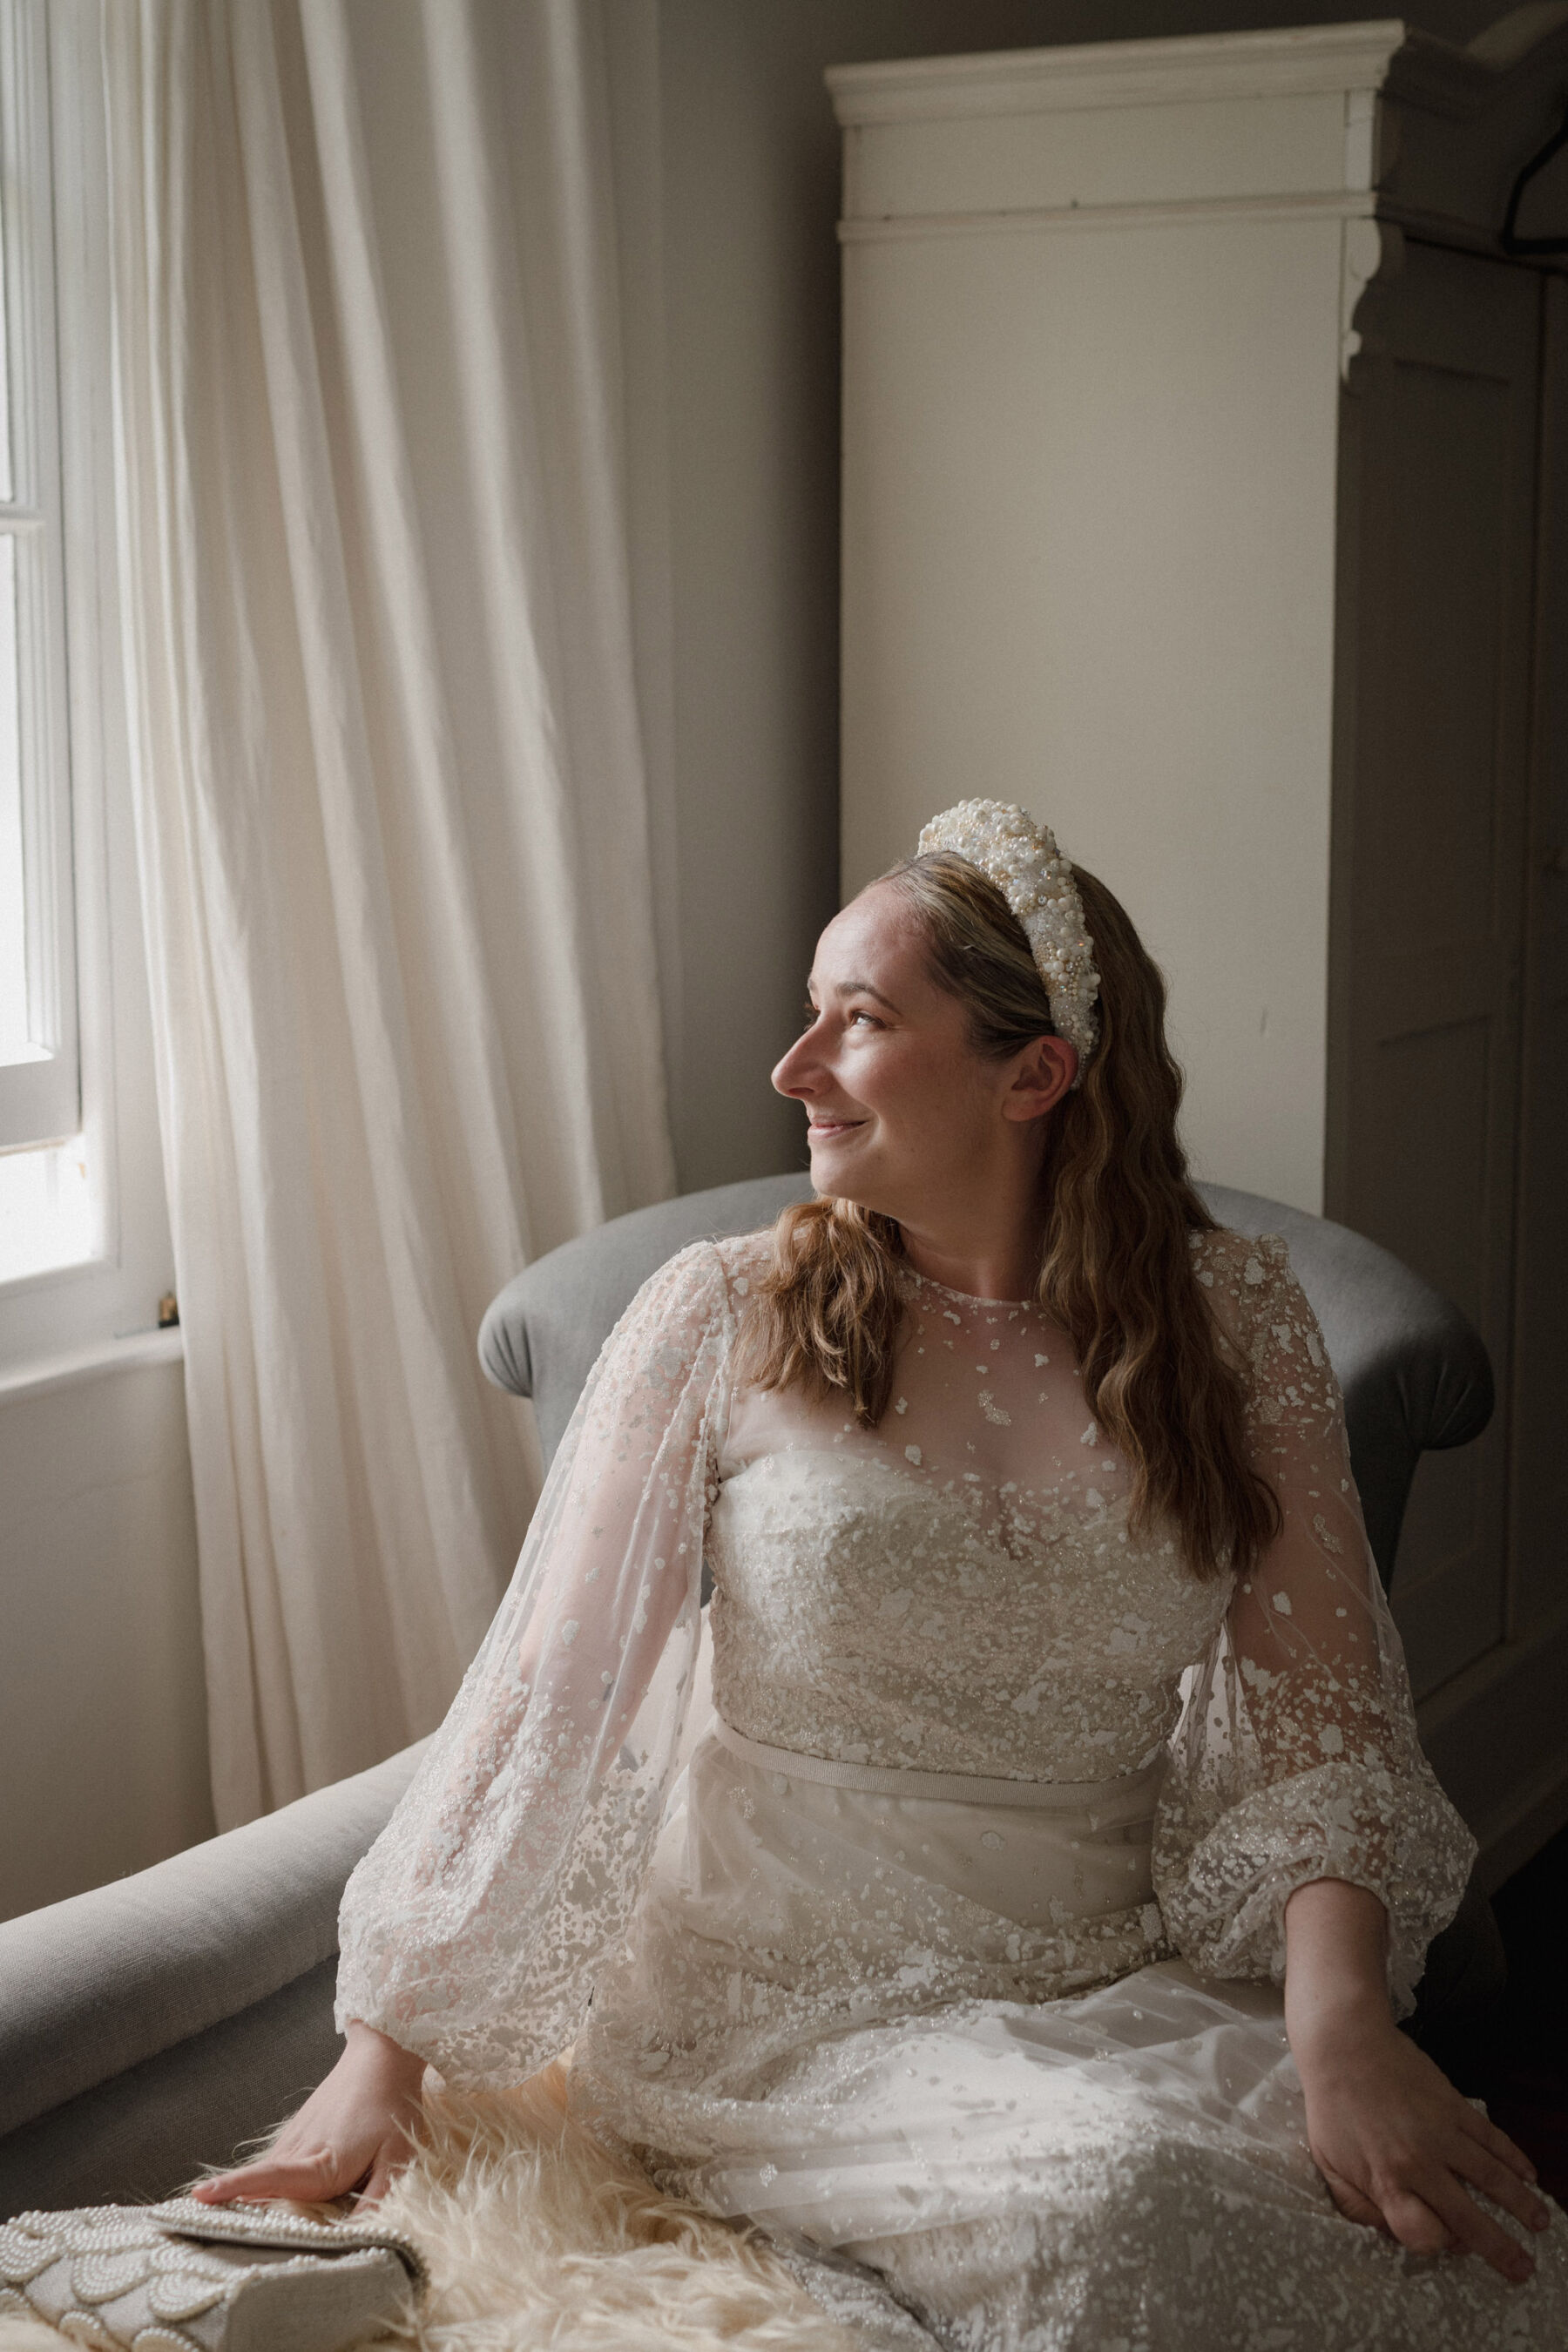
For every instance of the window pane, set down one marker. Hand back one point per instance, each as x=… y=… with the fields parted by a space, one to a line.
x=7 y=489
x=46 y=1210
x=14 y=1045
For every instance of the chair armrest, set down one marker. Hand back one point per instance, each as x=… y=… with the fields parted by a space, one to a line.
x=104 y=1980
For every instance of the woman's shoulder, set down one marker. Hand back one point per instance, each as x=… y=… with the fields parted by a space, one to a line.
x=710 y=1278
x=1242 y=1262
x=744 y=1256
x=1264 y=1312
x=1241 y=1274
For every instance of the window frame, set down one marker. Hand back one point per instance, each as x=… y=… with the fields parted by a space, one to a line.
x=101 y=1309
x=40 y=1100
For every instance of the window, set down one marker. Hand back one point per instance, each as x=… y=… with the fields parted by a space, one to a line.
x=44 y=1203
x=84 y=1235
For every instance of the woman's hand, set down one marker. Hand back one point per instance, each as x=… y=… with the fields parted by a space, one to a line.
x=1398 y=2147
x=352 y=2132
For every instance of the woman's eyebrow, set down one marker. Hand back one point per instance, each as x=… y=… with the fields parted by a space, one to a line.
x=855 y=987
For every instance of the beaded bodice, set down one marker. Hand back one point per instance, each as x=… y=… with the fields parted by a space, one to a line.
x=860 y=1616
x=959 y=1590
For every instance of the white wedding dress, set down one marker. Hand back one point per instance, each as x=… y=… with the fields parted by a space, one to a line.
x=930 y=1912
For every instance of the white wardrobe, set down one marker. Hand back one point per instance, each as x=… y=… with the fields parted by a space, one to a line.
x=1206 y=492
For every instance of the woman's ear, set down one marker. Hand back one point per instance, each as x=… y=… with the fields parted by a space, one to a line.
x=1044 y=1072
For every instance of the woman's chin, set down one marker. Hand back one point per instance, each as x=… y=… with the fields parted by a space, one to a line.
x=832 y=1179
x=829 y=1174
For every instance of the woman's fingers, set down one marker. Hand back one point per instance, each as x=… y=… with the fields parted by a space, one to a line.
x=1415 y=2223
x=380 y=2182
x=1422 y=2201
x=351 y=2130
x=1470 y=2229
x=1352 y=2202
x=309 y=2177
x=1483 y=2170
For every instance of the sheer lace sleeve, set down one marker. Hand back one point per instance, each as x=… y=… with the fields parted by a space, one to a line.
x=470 y=1930
x=1297 y=1756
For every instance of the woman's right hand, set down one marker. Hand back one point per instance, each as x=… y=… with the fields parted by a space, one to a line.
x=352 y=2132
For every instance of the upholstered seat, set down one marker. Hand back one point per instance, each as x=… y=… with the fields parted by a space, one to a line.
x=147 y=2027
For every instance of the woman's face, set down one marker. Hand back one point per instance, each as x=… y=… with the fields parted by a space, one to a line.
x=904 y=1116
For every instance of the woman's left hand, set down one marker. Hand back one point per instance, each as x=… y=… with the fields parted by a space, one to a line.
x=1401 y=2150
x=1398 y=2145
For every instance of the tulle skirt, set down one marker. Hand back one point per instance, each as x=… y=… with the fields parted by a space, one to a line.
x=927 y=2033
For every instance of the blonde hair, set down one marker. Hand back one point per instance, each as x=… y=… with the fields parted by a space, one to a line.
x=1117 y=1269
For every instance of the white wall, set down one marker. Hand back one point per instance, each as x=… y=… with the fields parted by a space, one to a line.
x=102 y=1718
x=1089 y=551
x=103 y=1759
x=734 y=355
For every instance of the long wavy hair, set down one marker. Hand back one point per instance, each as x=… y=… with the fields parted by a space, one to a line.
x=1116 y=1272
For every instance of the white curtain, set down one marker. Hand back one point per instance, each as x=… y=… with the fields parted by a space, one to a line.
x=391 y=808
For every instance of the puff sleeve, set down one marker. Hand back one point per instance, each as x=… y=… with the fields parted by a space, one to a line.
x=1297 y=1756
x=471 y=1931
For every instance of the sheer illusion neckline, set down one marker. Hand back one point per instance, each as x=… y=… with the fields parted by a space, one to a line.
x=970 y=1298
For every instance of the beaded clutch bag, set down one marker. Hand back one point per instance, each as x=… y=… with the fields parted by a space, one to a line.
x=184 y=2276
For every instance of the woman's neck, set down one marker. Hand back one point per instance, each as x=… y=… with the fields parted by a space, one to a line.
x=980 y=1266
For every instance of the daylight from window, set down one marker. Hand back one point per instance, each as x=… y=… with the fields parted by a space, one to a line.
x=47 y=1210
x=15 y=1042
x=46 y=1206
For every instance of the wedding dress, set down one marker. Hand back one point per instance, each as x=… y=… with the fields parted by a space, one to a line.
x=927 y=1888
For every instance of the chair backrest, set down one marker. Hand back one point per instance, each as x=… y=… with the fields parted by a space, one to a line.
x=1415 y=1373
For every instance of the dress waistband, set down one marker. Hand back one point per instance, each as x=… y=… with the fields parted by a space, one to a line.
x=946 y=1787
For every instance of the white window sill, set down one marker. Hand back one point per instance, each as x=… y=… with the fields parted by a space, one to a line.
x=138 y=1350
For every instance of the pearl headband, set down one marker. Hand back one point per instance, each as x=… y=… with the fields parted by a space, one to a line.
x=1023 y=860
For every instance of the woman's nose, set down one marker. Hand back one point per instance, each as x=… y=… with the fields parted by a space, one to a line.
x=794 y=1074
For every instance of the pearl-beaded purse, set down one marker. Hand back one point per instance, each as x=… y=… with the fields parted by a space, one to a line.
x=184 y=2276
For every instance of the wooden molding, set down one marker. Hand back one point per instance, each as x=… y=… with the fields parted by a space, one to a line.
x=1431 y=136
x=1305 y=61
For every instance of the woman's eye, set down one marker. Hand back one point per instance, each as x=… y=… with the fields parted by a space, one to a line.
x=810 y=1014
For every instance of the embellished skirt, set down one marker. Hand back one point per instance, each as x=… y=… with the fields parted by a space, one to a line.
x=925 y=2030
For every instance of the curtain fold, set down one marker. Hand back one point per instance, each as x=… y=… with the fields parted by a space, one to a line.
x=391 y=805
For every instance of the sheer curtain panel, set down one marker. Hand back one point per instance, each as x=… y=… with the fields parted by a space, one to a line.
x=390 y=797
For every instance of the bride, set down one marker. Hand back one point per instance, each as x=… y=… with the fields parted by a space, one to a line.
x=1015 y=1924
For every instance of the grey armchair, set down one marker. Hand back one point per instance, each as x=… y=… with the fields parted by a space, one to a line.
x=151 y=2026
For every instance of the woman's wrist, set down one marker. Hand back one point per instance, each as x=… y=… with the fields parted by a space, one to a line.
x=369 y=2046
x=1330 y=2036
x=1336 y=1983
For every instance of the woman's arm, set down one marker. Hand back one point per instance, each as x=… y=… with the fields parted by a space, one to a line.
x=1397 y=2144
x=1297 y=1758
x=1301 y=1834
x=352 y=2132
x=470 y=1932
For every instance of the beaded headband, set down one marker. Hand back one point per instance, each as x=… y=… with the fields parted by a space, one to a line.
x=1023 y=860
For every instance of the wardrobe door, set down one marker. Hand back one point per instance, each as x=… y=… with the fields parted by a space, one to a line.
x=1537 y=1579
x=1433 y=695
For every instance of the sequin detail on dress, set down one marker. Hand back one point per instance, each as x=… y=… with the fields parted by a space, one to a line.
x=983 y=2049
